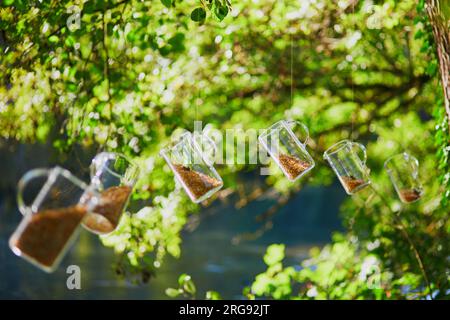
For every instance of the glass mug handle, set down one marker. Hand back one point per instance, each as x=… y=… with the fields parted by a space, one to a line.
x=98 y=163
x=291 y=123
x=415 y=166
x=361 y=148
x=26 y=178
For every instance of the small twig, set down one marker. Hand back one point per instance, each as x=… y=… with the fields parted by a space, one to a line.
x=250 y=236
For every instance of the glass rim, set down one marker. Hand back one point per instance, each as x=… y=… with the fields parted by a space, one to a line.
x=51 y=174
x=115 y=155
x=267 y=130
x=182 y=139
x=403 y=155
x=336 y=147
x=173 y=145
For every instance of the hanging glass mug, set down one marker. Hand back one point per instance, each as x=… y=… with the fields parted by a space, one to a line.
x=50 y=223
x=348 y=165
x=113 y=176
x=403 y=170
x=192 y=168
x=286 y=149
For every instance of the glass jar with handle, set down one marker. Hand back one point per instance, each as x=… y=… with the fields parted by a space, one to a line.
x=192 y=168
x=51 y=221
x=113 y=176
x=348 y=164
x=403 y=171
x=286 y=149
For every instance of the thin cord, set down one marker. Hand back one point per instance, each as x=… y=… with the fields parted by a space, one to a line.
x=292 y=70
x=351 y=82
x=196 y=99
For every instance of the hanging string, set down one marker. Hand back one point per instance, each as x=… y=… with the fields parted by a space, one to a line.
x=292 y=69
x=196 y=106
x=351 y=80
x=196 y=102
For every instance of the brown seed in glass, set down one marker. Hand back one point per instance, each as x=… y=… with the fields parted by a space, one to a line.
x=293 y=165
x=352 y=183
x=47 y=233
x=409 y=195
x=105 y=217
x=198 y=183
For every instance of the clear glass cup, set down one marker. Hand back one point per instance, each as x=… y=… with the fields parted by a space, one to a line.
x=403 y=170
x=113 y=176
x=348 y=165
x=51 y=222
x=286 y=149
x=192 y=168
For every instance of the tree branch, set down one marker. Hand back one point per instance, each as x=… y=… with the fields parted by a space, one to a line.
x=441 y=31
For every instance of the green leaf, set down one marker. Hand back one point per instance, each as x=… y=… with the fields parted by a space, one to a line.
x=187 y=284
x=70 y=41
x=53 y=39
x=177 y=42
x=173 y=293
x=213 y=295
x=101 y=91
x=221 y=12
x=183 y=278
x=261 y=284
x=189 y=287
x=72 y=87
x=198 y=14
x=42 y=132
x=431 y=69
x=420 y=5
x=131 y=36
x=167 y=3
x=164 y=51
x=8 y=2
x=274 y=254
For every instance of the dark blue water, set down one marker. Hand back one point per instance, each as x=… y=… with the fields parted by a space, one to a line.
x=209 y=254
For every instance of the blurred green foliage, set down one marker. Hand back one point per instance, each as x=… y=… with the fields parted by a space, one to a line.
x=125 y=75
x=339 y=271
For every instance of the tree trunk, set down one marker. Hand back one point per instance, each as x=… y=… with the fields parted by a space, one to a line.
x=439 y=15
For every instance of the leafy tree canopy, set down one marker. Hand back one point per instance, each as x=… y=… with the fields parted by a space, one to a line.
x=125 y=75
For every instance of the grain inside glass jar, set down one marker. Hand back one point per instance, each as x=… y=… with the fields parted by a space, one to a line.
x=351 y=183
x=198 y=183
x=106 y=215
x=47 y=233
x=293 y=166
x=409 y=195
